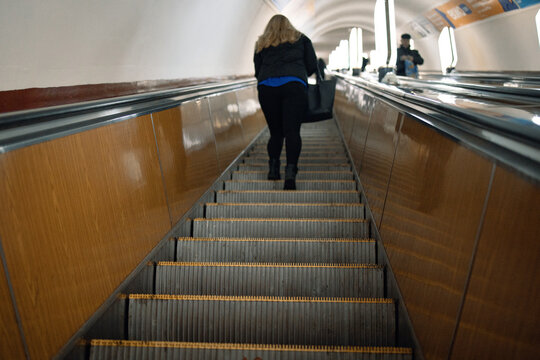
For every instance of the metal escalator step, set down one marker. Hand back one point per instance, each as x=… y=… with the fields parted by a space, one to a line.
x=300 y=185
x=342 y=251
x=286 y=210
x=270 y=279
x=255 y=320
x=302 y=175
x=281 y=228
x=306 y=167
x=307 y=148
x=258 y=160
x=284 y=196
x=303 y=154
x=161 y=350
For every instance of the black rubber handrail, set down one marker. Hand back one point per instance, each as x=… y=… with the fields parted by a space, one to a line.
x=513 y=142
x=23 y=128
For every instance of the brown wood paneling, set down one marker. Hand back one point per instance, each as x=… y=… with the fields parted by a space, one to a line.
x=250 y=113
x=502 y=311
x=378 y=155
x=11 y=346
x=227 y=128
x=432 y=212
x=79 y=214
x=357 y=142
x=187 y=151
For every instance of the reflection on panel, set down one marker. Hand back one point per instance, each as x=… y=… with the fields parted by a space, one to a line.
x=11 y=346
x=187 y=151
x=357 y=142
x=250 y=113
x=227 y=128
x=347 y=110
x=379 y=155
x=431 y=216
x=70 y=207
x=501 y=311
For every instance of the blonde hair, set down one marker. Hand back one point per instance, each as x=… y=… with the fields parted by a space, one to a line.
x=278 y=31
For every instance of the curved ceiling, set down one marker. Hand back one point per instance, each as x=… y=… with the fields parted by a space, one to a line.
x=327 y=22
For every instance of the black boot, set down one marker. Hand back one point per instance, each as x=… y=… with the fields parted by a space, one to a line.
x=290 y=177
x=273 y=172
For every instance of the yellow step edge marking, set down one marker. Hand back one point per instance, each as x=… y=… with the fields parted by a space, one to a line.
x=277 y=240
x=288 y=204
x=285 y=220
x=272 y=265
x=300 y=165
x=256 y=347
x=302 y=171
x=260 y=298
x=297 y=181
x=288 y=191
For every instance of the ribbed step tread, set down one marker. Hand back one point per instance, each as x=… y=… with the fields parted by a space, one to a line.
x=270 y=279
x=305 y=167
x=284 y=196
x=302 y=161
x=314 y=154
x=300 y=185
x=281 y=228
x=269 y=320
x=285 y=210
x=162 y=350
x=302 y=175
x=344 y=251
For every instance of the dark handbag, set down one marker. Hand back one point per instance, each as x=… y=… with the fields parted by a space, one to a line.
x=321 y=99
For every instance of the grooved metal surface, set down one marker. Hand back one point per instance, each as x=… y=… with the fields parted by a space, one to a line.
x=302 y=175
x=301 y=185
x=291 y=210
x=305 y=167
x=306 y=153
x=162 y=350
x=281 y=196
x=281 y=228
x=287 y=321
x=302 y=161
x=270 y=279
x=343 y=251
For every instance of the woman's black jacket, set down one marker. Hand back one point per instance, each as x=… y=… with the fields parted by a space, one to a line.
x=287 y=59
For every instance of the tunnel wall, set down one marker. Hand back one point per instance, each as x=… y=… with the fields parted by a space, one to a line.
x=79 y=213
x=63 y=43
x=427 y=194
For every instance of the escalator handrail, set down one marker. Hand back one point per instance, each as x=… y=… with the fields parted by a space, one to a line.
x=509 y=143
x=23 y=128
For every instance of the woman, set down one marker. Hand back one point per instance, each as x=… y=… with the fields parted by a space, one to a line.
x=284 y=58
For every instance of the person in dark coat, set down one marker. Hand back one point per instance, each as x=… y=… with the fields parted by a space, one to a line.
x=405 y=54
x=284 y=58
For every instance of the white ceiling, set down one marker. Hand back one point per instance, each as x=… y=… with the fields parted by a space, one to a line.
x=327 y=22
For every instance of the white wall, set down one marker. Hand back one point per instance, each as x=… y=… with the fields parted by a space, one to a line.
x=506 y=42
x=70 y=42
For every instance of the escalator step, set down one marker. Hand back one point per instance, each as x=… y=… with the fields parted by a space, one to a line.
x=290 y=210
x=302 y=175
x=314 y=154
x=281 y=228
x=162 y=350
x=270 y=279
x=283 y=196
x=343 y=251
x=300 y=185
x=306 y=167
x=302 y=161
x=267 y=320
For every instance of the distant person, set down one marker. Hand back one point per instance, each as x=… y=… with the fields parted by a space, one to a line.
x=284 y=58
x=407 y=59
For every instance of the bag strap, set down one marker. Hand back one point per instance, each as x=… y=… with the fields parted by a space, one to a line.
x=319 y=76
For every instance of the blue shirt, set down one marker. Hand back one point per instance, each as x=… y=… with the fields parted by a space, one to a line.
x=282 y=80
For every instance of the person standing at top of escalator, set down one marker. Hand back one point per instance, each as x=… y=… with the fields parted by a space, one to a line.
x=407 y=59
x=284 y=58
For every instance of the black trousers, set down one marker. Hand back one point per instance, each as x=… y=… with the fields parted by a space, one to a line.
x=284 y=108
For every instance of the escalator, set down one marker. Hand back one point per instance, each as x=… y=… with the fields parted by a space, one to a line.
x=267 y=273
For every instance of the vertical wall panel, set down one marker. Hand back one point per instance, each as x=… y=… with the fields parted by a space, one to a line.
x=250 y=112
x=432 y=212
x=501 y=311
x=70 y=207
x=357 y=142
x=187 y=151
x=11 y=346
x=227 y=128
x=378 y=156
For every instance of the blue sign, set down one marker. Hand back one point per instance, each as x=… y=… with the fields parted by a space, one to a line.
x=525 y=3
